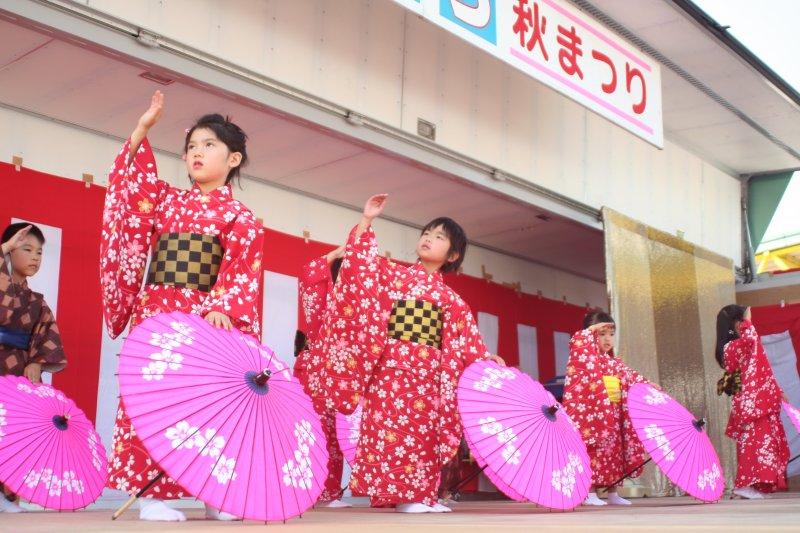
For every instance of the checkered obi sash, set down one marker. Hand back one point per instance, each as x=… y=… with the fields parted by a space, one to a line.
x=416 y=321
x=186 y=260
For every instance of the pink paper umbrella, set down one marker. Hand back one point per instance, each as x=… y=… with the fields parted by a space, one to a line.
x=793 y=413
x=348 y=428
x=50 y=453
x=676 y=441
x=223 y=416
x=521 y=436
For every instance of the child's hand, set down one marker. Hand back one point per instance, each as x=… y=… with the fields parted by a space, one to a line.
x=333 y=255
x=747 y=314
x=785 y=398
x=374 y=206
x=219 y=320
x=34 y=372
x=153 y=114
x=16 y=241
x=497 y=359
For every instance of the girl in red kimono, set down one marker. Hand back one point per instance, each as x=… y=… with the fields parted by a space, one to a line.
x=399 y=338
x=206 y=259
x=29 y=339
x=762 y=451
x=316 y=285
x=595 y=389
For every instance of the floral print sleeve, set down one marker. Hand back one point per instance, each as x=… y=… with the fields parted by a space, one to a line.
x=315 y=282
x=133 y=196
x=356 y=323
x=236 y=291
x=462 y=337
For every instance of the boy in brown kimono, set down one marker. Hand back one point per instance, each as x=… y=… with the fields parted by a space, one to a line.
x=29 y=338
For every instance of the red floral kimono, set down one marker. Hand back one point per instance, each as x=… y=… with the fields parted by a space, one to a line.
x=316 y=284
x=595 y=390
x=762 y=451
x=140 y=208
x=407 y=377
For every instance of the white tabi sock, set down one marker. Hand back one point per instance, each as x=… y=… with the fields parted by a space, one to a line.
x=216 y=514
x=153 y=510
x=592 y=499
x=616 y=499
x=414 y=508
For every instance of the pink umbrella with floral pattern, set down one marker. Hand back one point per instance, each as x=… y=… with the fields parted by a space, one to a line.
x=348 y=428
x=223 y=416
x=793 y=413
x=50 y=453
x=676 y=442
x=523 y=439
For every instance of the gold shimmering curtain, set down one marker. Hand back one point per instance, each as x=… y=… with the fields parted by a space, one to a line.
x=665 y=294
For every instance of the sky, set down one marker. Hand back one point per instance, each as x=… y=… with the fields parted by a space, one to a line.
x=769 y=28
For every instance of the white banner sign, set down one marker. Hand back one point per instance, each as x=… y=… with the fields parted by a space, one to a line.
x=563 y=48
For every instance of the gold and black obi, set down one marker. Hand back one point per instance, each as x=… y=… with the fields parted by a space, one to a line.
x=416 y=321
x=186 y=260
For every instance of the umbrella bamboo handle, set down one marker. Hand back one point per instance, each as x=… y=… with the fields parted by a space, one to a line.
x=125 y=507
x=136 y=496
x=623 y=478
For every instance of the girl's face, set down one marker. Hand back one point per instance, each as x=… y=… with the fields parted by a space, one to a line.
x=605 y=337
x=434 y=246
x=27 y=258
x=208 y=160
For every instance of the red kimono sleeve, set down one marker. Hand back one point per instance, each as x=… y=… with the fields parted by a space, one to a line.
x=315 y=283
x=627 y=375
x=760 y=394
x=355 y=328
x=462 y=338
x=132 y=199
x=585 y=398
x=237 y=292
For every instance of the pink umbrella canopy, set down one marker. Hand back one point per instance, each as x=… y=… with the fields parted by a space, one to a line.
x=793 y=413
x=522 y=437
x=348 y=428
x=50 y=453
x=223 y=416
x=676 y=441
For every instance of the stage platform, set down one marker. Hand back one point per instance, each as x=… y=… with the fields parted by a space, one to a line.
x=778 y=513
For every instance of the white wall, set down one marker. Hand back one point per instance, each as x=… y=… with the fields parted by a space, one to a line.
x=66 y=151
x=374 y=57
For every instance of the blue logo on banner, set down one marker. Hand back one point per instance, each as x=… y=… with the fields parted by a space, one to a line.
x=477 y=16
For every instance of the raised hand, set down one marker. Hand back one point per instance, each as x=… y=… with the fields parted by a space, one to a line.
x=374 y=206
x=153 y=114
x=16 y=241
